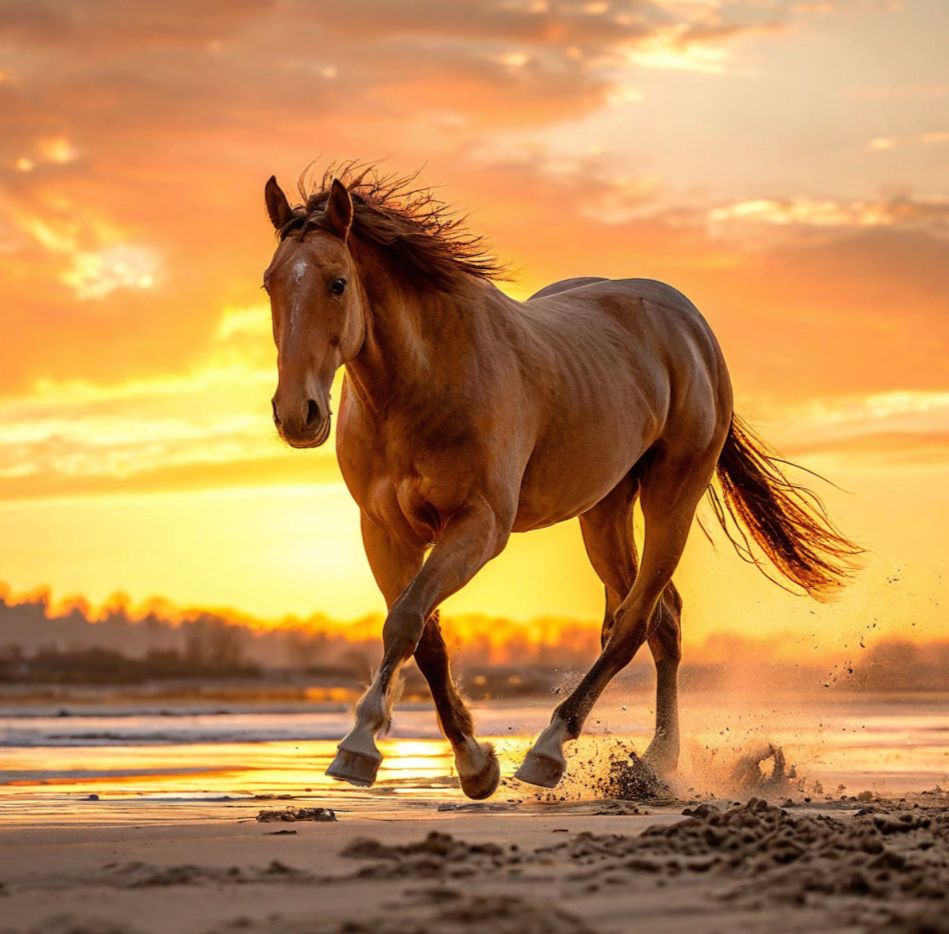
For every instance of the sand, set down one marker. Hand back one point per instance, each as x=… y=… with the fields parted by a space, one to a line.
x=857 y=864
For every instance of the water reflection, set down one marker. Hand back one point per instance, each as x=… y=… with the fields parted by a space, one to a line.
x=52 y=773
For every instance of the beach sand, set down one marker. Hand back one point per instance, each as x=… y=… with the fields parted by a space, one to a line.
x=131 y=820
x=861 y=865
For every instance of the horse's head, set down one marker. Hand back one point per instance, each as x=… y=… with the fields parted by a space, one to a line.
x=317 y=307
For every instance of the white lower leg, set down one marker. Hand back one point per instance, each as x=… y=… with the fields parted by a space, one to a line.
x=358 y=759
x=663 y=751
x=545 y=763
x=478 y=768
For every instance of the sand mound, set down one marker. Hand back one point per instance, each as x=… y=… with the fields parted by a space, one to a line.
x=762 y=848
x=930 y=919
x=439 y=855
x=774 y=854
x=459 y=913
x=68 y=924
x=138 y=875
x=437 y=911
x=884 y=862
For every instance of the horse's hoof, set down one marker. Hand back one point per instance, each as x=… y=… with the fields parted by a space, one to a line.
x=357 y=768
x=483 y=783
x=541 y=770
x=662 y=759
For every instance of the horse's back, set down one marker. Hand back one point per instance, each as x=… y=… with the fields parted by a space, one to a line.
x=651 y=290
x=565 y=285
x=633 y=339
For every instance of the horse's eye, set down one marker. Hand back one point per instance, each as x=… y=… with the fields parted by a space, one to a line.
x=338 y=286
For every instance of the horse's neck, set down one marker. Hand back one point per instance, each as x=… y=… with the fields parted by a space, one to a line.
x=412 y=337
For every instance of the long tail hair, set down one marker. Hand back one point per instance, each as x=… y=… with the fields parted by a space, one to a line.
x=787 y=522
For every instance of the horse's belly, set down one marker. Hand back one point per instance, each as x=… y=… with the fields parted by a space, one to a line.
x=560 y=484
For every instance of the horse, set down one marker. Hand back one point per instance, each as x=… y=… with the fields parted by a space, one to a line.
x=466 y=415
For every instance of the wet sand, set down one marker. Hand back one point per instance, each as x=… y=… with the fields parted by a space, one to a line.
x=145 y=822
x=870 y=865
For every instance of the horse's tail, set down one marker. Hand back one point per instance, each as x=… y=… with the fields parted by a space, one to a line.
x=788 y=522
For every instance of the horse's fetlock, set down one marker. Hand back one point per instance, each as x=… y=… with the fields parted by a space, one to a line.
x=372 y=710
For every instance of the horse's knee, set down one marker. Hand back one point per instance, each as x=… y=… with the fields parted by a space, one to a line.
x=402 y=631
x=628 y=633
x=607 y=628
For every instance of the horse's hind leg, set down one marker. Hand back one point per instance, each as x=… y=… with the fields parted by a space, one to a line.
x=665 y=643
x=608 y=537
x=607 y=531
x=670 y=493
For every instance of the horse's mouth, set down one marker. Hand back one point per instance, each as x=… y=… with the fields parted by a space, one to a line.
x=322 y=433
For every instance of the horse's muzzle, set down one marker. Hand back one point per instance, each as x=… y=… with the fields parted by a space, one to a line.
x=307 y=437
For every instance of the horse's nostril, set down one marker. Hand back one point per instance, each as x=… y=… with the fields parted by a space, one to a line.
x=276 y=417
x=312 y=413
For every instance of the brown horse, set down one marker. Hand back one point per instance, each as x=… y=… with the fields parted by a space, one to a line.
x=466 y=415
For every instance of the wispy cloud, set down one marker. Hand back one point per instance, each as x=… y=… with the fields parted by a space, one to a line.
x=887 y=427
x=97 y=260
x=122 y=266
x=757 y=220
x=931 y=138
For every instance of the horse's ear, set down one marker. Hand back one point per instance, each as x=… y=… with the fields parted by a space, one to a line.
x=339 y=210
x=277 y=205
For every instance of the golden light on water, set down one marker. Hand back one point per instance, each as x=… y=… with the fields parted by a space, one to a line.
x=861 y=742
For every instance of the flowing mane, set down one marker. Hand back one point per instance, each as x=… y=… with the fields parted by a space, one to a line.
x=409 y=224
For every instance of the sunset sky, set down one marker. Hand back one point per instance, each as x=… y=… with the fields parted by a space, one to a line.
x=786 y=164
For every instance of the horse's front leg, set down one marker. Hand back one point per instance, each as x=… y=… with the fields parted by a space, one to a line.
x=470 y=538
x=477 y=763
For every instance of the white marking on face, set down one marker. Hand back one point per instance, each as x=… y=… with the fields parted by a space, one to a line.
x=298 y=271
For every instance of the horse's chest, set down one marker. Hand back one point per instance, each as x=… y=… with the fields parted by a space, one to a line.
x=410 y=506
x=407 y=489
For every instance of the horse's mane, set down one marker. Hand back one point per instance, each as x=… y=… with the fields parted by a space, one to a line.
x=407 y=223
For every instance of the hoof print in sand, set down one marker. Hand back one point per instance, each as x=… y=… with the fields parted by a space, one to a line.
x=290 y=814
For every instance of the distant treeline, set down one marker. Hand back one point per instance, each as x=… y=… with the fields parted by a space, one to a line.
x=493 y=656
x=40 y=644
x=106 y=666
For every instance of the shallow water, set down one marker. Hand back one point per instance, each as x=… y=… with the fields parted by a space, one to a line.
x=165 y=762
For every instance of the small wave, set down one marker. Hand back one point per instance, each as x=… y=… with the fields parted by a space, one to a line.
x=25 y=738
x=155 y=730
x=159 y=710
